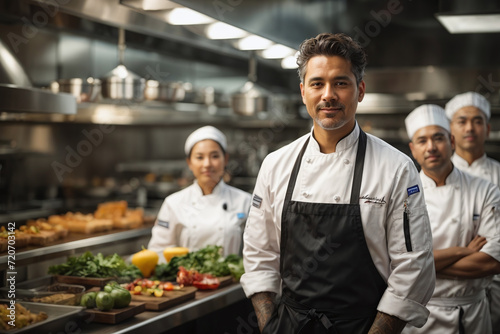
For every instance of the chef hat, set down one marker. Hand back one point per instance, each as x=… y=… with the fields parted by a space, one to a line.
x=206 y=132
x=425 y=115
x=467 y=99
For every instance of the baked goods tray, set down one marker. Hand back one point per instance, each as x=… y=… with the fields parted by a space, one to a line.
x=58 y=317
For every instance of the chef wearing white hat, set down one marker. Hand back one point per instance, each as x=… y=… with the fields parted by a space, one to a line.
x=469 y=114
x=464 y=215
x=208 y=212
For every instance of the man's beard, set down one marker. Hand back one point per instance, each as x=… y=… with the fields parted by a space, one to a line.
x=324 y=123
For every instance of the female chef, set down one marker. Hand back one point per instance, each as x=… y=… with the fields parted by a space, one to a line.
x=208 y=212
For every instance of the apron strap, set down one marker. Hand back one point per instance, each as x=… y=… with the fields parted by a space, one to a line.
x=293 y=177
x=358 y=169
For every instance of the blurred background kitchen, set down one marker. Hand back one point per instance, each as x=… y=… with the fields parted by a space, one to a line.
x=142 y=77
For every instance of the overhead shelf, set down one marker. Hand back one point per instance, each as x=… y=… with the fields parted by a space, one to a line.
x=17 y=99
x=161 y=114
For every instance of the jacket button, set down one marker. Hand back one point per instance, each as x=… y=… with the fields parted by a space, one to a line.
x=308 y=160
x=336 y=198
x=346 y=162
x=305 y=194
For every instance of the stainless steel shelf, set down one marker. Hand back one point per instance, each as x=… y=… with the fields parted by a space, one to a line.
x=24 y=257
x=160 y=114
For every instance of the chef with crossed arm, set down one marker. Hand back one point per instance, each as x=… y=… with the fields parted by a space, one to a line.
x=464 y=215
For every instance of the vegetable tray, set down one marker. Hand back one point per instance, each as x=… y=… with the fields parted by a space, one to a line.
x=115 y=316
x=169 y=298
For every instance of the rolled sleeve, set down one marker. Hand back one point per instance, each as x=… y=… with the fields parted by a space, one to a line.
x=405 y=309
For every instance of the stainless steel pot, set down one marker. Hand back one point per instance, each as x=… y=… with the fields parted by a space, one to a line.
x=250 y=100
x=164 y=91
x=84 y=90
x=122 y=84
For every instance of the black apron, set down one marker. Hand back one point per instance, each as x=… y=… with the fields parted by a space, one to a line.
x=330 y=284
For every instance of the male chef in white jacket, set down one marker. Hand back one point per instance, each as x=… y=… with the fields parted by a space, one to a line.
x=338 y=228
x=464 y=215
x=469 y=114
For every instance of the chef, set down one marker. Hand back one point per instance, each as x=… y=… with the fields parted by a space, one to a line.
x=464 y=215
x=469 y=114
x=208 y=212
x=338 y=228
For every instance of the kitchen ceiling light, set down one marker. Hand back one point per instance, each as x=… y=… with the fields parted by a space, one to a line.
x=277 y=51
x=186 y=16
x=220 y=30
x=253 y=42
x=464 y=24
x=290 y=62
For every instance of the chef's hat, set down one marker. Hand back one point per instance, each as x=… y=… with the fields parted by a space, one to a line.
x=468 y=99
x=425 y=115
x=206 y=132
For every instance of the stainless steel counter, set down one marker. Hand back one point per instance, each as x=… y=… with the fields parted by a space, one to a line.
x=204 y=303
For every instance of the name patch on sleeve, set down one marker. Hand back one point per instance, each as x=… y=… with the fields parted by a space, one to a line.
x=413 y=190
x=256 y=201
x=163 y=223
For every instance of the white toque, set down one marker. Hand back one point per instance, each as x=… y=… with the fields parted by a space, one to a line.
x=468 y=99
x=425 y=115
x=203 y=133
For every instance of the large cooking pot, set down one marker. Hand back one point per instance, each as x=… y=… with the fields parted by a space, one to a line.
x=122 y=84
x=84 y=90
x=250 y=100
x=164 y=91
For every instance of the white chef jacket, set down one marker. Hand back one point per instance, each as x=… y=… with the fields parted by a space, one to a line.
x=190 y=219
x=388 y=178
x=484 y=167
x=466 y=206
x=487 y=169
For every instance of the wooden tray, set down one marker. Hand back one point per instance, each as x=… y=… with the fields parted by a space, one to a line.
x=225 y=281
x=115 y=315
x=169 y=298
x=85 y=281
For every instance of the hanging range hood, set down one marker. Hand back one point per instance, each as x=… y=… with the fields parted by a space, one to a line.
x=19 y=95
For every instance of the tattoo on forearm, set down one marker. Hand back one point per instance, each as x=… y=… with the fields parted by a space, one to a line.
x=386 y=324
x=263 y=303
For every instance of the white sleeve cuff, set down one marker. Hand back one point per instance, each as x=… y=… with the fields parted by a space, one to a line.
x=261 y=281
x=405 y=309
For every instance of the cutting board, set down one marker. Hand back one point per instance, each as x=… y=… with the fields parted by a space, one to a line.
x=225 y=281
x=169 y=298
x=85 y=281
x=115 y=315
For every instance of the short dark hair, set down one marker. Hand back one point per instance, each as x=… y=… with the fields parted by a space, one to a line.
x=328 y=44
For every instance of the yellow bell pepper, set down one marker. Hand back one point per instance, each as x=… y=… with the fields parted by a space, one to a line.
x=146 y=260
x=170 y=252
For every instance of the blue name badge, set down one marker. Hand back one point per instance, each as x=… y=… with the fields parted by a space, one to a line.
x=163 y=223
x=413 y=190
